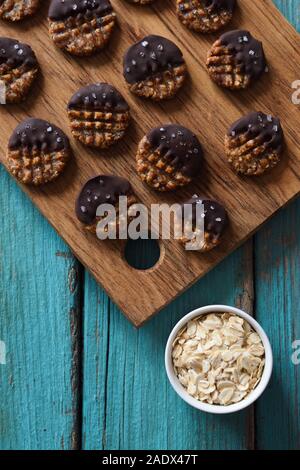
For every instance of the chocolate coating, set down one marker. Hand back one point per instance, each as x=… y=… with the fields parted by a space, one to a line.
x=247 y=51
x=218 y=5
x=103 y=189
x=61 y=10
x=259 y=125
x=180 y=146
x=14 y=53
x=216 y=218
x=98 y=97
x=38 y=134
x=151 y=55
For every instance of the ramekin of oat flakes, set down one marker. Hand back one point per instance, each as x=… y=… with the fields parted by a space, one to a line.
x=219 y=359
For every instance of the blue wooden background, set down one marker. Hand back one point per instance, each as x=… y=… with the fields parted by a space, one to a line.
x=78 y=375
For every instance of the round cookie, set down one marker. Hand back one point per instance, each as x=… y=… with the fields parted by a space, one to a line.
x=18 y=70
x=17 y=10
x=81 y=27
x=154 y=68
x=102 y=189
x=254 y=144
x=215 y=223
x=236 y=60
x=205 y=16
x=169 y=157
x=99 y=115
x=37 y=152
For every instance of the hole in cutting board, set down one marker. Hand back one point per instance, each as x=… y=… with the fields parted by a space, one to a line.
x=142 y=254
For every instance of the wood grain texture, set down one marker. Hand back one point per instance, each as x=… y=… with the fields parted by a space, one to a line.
x=113 y=421
x=120 y=421
x=128 y=402
x=201 y=106
x=39 y=318
x=277 y=280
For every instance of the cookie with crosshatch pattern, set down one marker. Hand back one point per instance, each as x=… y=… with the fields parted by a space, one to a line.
x=37 y=152
x=17 y=10
x=236 y=60
x=169 y=157
x=154 y=68
x=204 y=237
x=205 y=16
x=254 y=144
x=18 y=70
x=81 y=27
x=99 y=115
x=104 y=189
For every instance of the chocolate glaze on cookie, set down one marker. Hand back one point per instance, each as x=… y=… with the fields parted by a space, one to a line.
x=98 y=97
x=38 y=134
x=259 y=125
x=205 y=16
x=14 y=53
x=247 y=51
x=180 y=146
x=216 y=6
x=61 y=10
x=103 y=189
x=215 y=216
x=219 y=5
x=151 y=55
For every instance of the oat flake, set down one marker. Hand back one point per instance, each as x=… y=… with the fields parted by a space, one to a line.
x=218 y=358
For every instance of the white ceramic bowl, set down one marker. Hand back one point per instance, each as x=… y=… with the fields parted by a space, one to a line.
x=219 y=409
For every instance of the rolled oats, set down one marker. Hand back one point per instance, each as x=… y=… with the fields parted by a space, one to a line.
x=218 y=358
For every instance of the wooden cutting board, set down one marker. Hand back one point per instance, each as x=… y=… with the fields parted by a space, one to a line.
x=200 y=106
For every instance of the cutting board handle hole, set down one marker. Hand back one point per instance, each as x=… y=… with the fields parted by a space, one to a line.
x=143 y=255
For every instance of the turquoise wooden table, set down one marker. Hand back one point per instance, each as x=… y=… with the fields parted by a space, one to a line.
x=75 y=374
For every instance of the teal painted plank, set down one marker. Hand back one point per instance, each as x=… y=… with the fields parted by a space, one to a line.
x=277 y=268
x=290 y=9
x=127 y=400
x=39 y=325
x=96 y=346
x=278 y=310
x=125 y=405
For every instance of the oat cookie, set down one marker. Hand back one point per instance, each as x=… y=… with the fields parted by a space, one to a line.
x=154 y=68
x=254 y=144
x=99 y=115
x=81 y=27
x=18 y=69
x=215 y=223
x=37 y=152
x=102 y=189
x=169 y=157
x=17 y=10
x=205 y=16
x=236 y=60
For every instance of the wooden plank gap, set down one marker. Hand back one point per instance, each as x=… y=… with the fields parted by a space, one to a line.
x=76 y=284
x=246 y=302
x=106 y=376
